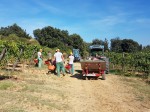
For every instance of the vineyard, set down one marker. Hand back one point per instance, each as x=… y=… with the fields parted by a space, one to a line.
x=74 y=56
x=18 y=52
x=34 y=90
x=131 y=63
x=128 y=63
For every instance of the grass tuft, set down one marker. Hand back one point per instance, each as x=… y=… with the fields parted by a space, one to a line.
x=5 y=85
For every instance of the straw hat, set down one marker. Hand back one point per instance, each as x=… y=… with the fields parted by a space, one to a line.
x=58 y=49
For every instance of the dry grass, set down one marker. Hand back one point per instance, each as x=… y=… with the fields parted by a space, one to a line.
x=35 y=91
x=140 y=88
x=32 y=92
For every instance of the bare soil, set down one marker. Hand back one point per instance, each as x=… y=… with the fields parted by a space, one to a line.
x=39 y=92
x=110 y=95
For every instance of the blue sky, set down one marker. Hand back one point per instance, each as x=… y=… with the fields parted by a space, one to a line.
x=89 y=18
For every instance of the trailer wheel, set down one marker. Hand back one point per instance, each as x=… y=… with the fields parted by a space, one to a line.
x=95 y=78
x=86 y=78
x=104 y=76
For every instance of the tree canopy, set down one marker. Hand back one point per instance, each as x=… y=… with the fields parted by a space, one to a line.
x=14 y=29
x=56 y=38
x=125 y=45
x=101 y=42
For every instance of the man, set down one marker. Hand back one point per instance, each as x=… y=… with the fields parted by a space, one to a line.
x=59 y=62
x=40 y=58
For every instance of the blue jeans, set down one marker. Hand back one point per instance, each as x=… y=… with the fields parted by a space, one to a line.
x=71 y=69
x=60 y=66
x=39 y=62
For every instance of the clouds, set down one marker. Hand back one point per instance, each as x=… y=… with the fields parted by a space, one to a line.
x=48 y=7
x=107 y=21
x=143 y=21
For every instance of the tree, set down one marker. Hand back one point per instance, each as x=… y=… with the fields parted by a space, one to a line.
x=146 y=48
x=125 y=45
x=116 y=44
x=140 y=47
x=106 y=45
x=51 y=37
x=56 y=38
x=129 y=45
x=78 y=43
x=14 y=29
x=97 y=42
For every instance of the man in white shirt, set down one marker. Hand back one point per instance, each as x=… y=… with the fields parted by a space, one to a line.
x=71 y=59
x=59 y=62
x=39 y=58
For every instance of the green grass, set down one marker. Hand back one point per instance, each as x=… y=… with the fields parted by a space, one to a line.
x=4 y=85
x=116 y=72
x=12 y=109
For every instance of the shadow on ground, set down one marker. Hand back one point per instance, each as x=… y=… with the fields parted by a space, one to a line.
x=79 y=76
x=4 y=77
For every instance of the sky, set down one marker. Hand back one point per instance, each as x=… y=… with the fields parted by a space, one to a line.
x=91 y=19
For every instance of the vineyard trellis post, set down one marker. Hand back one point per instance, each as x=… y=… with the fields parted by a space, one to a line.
x=33 y=55
x=3 y=53
x=123 y=62
x=17 y=60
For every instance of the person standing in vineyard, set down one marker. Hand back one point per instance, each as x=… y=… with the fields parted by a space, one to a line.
x=71 y=59
x=59 y=62
x=40 y=58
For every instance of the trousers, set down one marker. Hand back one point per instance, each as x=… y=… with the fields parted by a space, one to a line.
x=59 y=67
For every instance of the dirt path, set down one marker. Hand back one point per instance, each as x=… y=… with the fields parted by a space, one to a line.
x=36 y=91
x=109 y=95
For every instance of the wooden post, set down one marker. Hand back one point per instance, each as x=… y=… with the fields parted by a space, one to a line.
x=3 y=54
x=33 y=55
x=123 y=66
x=17 y=60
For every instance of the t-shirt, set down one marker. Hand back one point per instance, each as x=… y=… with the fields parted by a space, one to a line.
x=39 y=54
x=71 y=59
x=58 y=56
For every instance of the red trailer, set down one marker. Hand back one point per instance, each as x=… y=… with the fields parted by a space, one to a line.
x=93 y=69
